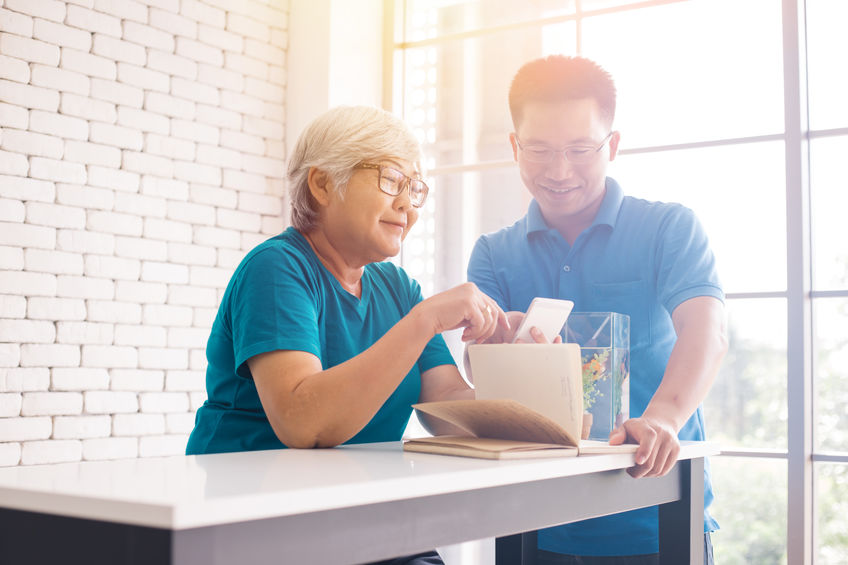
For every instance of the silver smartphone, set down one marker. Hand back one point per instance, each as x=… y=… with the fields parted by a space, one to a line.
x=547 y=314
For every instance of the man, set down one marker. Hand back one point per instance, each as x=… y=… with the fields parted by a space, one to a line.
x=583 y=240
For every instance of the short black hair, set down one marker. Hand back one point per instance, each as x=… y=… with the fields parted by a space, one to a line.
x=559 y=78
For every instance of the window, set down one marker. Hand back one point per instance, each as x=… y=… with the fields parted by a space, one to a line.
x=713 y=107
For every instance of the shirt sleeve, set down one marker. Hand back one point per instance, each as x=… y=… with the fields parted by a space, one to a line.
x=436 y=351
x=685 y=263
x=273 y=306
x=481 y=272
x=435 y=354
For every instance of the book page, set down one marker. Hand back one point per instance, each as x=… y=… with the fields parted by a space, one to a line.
x=499 y=419
x=546 y=378
x=487 y=448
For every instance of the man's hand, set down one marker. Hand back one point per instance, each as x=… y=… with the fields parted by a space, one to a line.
x=701 y=343
x=658 y=445
x=539 y=337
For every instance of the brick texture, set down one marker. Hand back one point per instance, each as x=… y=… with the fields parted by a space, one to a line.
x=134 y=171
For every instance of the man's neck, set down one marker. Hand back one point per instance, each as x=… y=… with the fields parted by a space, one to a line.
x=570 y=228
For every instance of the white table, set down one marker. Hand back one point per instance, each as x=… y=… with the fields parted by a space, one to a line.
x=330 y=506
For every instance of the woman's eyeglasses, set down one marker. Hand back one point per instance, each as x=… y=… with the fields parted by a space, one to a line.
x=392 y=182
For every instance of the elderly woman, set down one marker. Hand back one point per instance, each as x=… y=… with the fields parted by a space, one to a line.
x=317 y=341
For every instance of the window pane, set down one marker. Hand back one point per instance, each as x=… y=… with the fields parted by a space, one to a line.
x=589 y=5
x=750 y=507
x=455 y=93
x=747 y=405
x=461 y=206
x=829 y=202
x=830 y=533
x=738 y=193
x=678 y=83
x=426 y=19
x=827 y=53
x=417 y=252
x=830 y=373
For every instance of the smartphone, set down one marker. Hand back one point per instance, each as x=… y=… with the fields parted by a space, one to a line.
x=547 y=314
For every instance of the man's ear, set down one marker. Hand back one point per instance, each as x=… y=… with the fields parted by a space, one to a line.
x=514 y=143
x=320 y=185
x=613 y=144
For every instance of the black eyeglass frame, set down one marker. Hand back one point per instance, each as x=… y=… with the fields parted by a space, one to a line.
x=406 y=184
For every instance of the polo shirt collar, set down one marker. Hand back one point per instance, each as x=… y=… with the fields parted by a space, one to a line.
x=607 y=213
x=535 y=220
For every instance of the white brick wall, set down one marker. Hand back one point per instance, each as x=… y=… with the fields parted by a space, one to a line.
x=141 y=155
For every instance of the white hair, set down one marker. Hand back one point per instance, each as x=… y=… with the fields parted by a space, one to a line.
x=338 y=140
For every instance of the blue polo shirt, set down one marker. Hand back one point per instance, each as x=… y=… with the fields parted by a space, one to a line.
x=281 y=297
x=638 y=258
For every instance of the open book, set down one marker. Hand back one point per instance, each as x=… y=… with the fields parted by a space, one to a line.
x=504 y=429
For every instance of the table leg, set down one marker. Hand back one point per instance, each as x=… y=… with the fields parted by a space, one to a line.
x=516 y=549
x=44 y=539
x=682 y=521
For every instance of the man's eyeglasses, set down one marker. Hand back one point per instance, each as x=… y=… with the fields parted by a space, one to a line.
x=392 y=182
x=575 y=154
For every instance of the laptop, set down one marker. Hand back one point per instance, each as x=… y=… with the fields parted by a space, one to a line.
x=546 y=378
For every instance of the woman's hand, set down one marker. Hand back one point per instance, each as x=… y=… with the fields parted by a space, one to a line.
x=463 y=306
x=506 y=334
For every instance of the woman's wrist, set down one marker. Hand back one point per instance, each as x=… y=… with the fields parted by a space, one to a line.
x=421 y=322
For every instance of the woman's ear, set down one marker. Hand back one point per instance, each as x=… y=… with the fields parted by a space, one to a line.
x=320 y=185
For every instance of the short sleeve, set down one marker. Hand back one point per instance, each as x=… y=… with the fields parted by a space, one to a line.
x=481 y=272
x=273 y=306
x=685 y=263
x=436 y=351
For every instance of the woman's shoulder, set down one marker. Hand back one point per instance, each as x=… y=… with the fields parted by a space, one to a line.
x=389 y=271
x=390 y=282
x=394 y=277
x=285 y=252
x=287 y=244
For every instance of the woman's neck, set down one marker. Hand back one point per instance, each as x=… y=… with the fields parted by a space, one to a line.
x=348 y=275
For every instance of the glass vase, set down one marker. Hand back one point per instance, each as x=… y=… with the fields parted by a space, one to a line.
x=604 y=340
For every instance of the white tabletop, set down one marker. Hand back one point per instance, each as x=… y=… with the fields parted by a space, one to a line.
x=183 y=492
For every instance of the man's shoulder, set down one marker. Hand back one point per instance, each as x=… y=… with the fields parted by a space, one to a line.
x=654 y=213
x=636 y=204
x=510 y=234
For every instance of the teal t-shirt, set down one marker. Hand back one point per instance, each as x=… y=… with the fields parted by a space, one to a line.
x=281 y=297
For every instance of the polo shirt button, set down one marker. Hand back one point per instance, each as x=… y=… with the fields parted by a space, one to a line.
x=567 y=268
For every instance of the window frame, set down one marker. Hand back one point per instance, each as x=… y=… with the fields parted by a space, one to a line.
x=801 y=454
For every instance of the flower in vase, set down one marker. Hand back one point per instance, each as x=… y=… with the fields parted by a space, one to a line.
x=594 y=369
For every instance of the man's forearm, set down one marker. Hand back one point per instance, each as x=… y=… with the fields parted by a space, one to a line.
x=694 y=361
